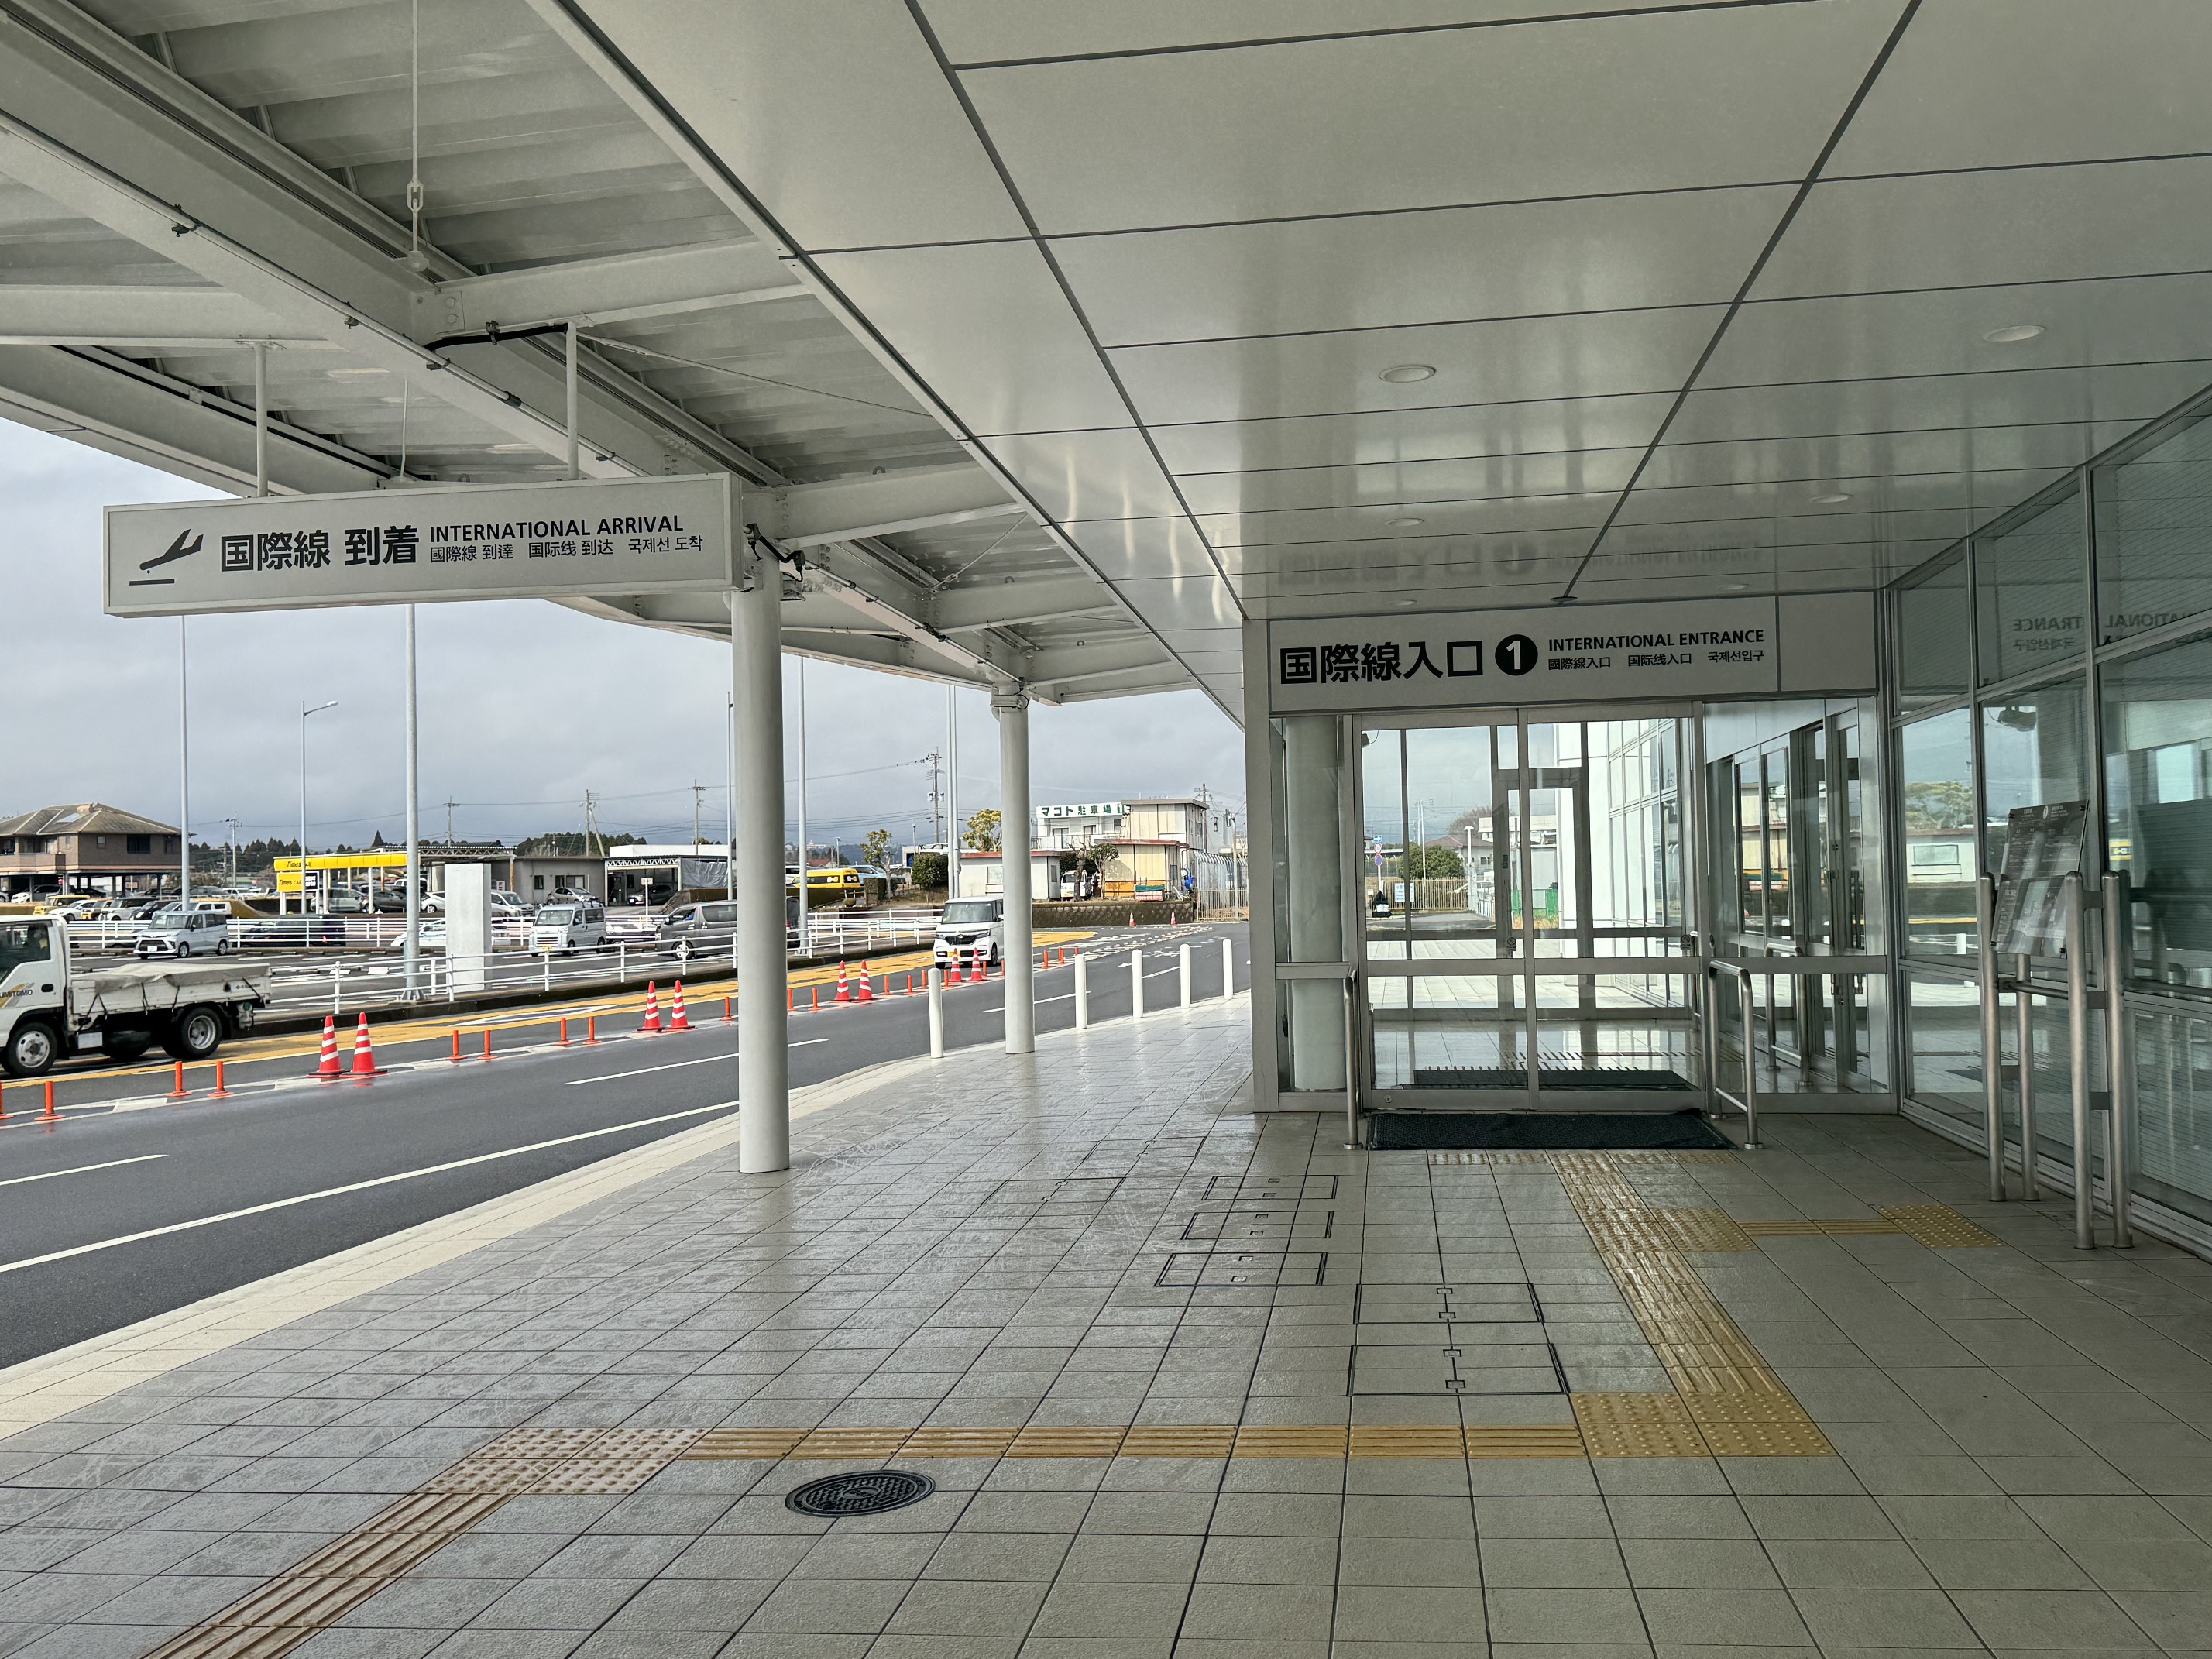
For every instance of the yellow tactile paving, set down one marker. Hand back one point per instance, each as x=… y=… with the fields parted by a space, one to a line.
x=1637 y=1425
x=1939 y=1227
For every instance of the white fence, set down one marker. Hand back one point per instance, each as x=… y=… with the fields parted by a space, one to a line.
x=344 y=964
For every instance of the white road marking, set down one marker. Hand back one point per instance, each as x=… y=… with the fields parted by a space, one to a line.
x=84 y=1168
x=676 y=1065
x=355 y=1187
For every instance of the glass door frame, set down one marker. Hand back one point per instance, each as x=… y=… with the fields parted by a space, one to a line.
x=1524 y=967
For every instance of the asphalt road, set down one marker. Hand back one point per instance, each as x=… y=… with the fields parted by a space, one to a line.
x=125 y=1208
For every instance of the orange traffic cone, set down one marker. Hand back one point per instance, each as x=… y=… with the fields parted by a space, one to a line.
x=679 y=1024
x=844 y=989
x=867 y=974
x=974 y=964
x=329 y=1067
x=364 y=1057
x=651 y=1008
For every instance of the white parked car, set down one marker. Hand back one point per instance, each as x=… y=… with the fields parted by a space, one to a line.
x=966 y=926
x=506 y=906
x=566 y=928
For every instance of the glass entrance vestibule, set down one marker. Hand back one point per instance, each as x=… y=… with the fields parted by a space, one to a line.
x=1579 y=908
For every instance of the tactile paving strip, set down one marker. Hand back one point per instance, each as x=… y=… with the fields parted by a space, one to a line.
x=329 y=1584
x=1638 y=1425
x=1940 y=1227
x=577 y=1462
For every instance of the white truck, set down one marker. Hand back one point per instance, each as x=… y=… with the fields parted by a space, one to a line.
x=51 y=1009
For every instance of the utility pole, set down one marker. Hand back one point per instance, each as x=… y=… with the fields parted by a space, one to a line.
x=698 y=791
x=936 y=815
x=450 y=804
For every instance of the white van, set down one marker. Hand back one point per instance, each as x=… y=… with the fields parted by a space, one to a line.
x=968 y=923
x=566 y=927
x=201 y=928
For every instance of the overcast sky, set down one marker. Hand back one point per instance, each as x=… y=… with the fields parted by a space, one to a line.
x=525 y=706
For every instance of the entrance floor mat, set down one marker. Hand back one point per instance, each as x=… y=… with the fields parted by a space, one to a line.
x=1546 y=1132
x=1553 y=1077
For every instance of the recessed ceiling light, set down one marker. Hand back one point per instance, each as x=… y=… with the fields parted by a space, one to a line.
x=351 y=373
x=1407 y=373
x=1404 y=605
x=516 y=449
x=2013 y=333
x=1833 y=498
x=1403 y=524
x=1734 y=588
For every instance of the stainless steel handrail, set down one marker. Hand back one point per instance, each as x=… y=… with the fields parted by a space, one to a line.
x=1771 y=968
x=2077 y=1033
x=1985 y=905
x=2119 y=1059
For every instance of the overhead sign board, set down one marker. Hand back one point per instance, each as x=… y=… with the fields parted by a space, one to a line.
x=1559 y=653
x=443 y=542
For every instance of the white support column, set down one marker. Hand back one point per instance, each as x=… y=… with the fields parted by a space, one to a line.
x=1012 y=709
x=757 y=870
x=413 y=952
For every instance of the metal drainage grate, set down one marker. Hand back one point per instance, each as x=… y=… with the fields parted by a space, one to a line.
x=870 y=1491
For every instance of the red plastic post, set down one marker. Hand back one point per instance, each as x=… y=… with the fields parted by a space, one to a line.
x=486 y=1042
x=219 y=1093
x=457 y=1045
x=728 y=1018
x=50 y=1115
x=177 y=1091
x=591 y=1030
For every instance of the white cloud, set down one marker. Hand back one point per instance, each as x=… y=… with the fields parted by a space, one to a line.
x=524 y=706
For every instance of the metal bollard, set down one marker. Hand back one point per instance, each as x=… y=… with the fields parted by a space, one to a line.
x=622 y=963
x=549 y=973
x=2023 y=1012
x=1082 y=991
x=2120 y=1057
x=1137 y=983
x=1229 y=966
x=2077 y=1037
x=1184 y=963
x=937 y=1013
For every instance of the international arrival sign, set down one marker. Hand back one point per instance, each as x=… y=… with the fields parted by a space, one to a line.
x=421 y=545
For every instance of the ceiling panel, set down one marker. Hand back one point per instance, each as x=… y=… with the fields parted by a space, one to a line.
x=982 y=30
x=1439 y=519
x=1979 y=493
x=2138 y=320
x=1986 y=83
x=1413 y=484
x=836 y=116
x=989 y=330
x=1746 y=95
x=1488 y=362
x=1813 y=529
x=1413 y=435
x=1994 y=397
x=1813 y=462
x=1165 y=549
x=1089 y=475
x=2028 y=225
x=1383 y=271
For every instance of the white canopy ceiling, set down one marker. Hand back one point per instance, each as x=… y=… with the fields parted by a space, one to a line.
x=1260 y=307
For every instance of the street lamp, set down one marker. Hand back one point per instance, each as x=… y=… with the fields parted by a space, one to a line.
x=304 y=711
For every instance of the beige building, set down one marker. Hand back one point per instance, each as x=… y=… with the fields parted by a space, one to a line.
x=88 y=848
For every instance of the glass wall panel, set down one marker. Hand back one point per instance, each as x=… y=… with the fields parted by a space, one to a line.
x=1943 y=1065
x=1935 y=787
x=1453 y=876
x=2031 y=592
x=2035 y=752
x=1309 y=771
x=2158 y=792
x=1931 y=626
x=2171 y=1153
x=2154 y=535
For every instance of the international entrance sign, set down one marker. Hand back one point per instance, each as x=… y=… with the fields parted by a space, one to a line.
x=1559 y=653
x=445 y=542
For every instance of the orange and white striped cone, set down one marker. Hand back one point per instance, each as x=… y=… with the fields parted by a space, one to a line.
x=844 y=986
x=364 y=1056
x=329 y=1067
x=651 y=1008
x=974 y=964
x=867 y=974
x=679 y=1022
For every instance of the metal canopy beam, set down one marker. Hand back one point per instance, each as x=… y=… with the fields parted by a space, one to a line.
x=1009 y=603
x=133 y=315
x=627 y=287
x=847 y=509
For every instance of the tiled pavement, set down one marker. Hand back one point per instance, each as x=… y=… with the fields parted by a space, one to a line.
x=2018 y=1460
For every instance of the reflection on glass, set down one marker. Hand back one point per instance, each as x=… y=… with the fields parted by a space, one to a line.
x=2034 y=753
x=2154 y=532
x=2158 y=790
x=1931 y=625
x=1305 y=752
x=1935 y=789
x=2031 y=594
x=1943 y=1068
x=2170 y=1156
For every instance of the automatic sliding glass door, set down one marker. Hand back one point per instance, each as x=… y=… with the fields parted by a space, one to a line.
x=1524 y=914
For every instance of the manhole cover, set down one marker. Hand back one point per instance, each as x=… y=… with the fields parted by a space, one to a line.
x=868 y=1492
